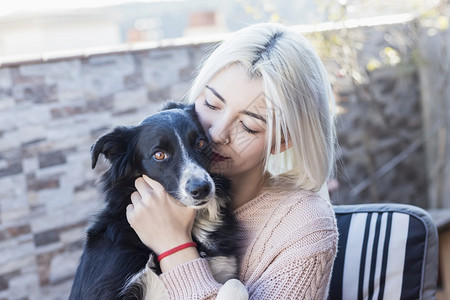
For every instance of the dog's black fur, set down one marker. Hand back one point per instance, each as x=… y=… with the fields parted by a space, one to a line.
x=113 y=253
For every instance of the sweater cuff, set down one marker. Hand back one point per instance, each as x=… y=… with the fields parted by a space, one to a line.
x=191 y=280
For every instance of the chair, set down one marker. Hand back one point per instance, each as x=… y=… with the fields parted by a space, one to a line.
x=385 y=251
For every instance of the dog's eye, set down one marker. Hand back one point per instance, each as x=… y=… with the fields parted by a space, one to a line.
x=160 y=155
x=201 y=144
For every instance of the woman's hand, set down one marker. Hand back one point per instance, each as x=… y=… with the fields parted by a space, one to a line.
x=159 y=221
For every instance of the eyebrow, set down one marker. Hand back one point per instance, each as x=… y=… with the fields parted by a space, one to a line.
x=215 y=93
x=249 y=113
x=246 y=112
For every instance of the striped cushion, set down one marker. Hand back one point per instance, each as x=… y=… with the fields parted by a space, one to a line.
x=385 y=251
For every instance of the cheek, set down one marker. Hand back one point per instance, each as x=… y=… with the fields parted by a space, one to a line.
x=202 y=115
x=253 y=149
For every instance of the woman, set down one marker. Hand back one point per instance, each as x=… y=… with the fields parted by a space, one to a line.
x=264 y=100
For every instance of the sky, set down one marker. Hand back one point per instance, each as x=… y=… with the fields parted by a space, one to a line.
x=11 y=6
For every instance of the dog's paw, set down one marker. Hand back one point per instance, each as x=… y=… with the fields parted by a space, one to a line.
x=232 y=289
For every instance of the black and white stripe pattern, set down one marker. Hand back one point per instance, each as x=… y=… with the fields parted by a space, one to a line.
x=382 y=252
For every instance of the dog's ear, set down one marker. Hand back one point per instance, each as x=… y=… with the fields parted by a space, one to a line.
x=188 y=107
x=114 y=146
x=172 y=105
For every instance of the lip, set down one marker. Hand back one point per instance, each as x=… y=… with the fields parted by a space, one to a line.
x=216 y=157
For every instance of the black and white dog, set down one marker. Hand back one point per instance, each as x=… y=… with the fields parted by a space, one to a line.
x=115 y=264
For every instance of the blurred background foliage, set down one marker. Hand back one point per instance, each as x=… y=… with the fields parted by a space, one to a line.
x=355 y=57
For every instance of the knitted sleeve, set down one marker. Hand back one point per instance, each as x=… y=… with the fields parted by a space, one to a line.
x=289 y=254
x=191 y=280
x=291 y=276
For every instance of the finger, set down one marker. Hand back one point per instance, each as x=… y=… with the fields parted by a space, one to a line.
x=142 y=186
x=135 y=198
x=152 y=183
x=129 y=213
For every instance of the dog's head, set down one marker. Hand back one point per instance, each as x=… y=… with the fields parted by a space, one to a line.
x=169 y=147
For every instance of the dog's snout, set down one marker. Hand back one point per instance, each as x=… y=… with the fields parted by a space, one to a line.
x=198 y=188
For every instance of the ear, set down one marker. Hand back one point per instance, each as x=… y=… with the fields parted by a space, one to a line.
x=114 y=146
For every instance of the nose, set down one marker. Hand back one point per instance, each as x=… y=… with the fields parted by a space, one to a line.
x=198 y=188
x=219 y=132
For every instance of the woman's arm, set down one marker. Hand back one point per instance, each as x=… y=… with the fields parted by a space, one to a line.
x=161 y=225
x=191 y=280
x=160 y=222
x=296 y=267
x=290 y=275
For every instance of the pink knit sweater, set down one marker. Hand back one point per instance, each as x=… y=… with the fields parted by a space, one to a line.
x=287 y=243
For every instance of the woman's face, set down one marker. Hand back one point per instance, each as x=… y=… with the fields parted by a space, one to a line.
x=232 y=111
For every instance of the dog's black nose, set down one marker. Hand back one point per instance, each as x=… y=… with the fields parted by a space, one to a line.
x=198 y=188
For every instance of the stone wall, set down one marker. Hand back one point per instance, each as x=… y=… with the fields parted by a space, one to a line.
x=380 y=133
x=51 y=112
x=381 y=142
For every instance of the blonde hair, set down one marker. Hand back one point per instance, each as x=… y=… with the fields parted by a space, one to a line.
x=298 y=96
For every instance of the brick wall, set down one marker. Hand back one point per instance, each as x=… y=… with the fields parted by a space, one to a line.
x=51 y=113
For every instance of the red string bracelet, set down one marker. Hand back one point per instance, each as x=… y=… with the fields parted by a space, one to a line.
x=176 y=249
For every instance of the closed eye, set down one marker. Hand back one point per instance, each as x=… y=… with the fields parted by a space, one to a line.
x=210 y=106
x=248 y=129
